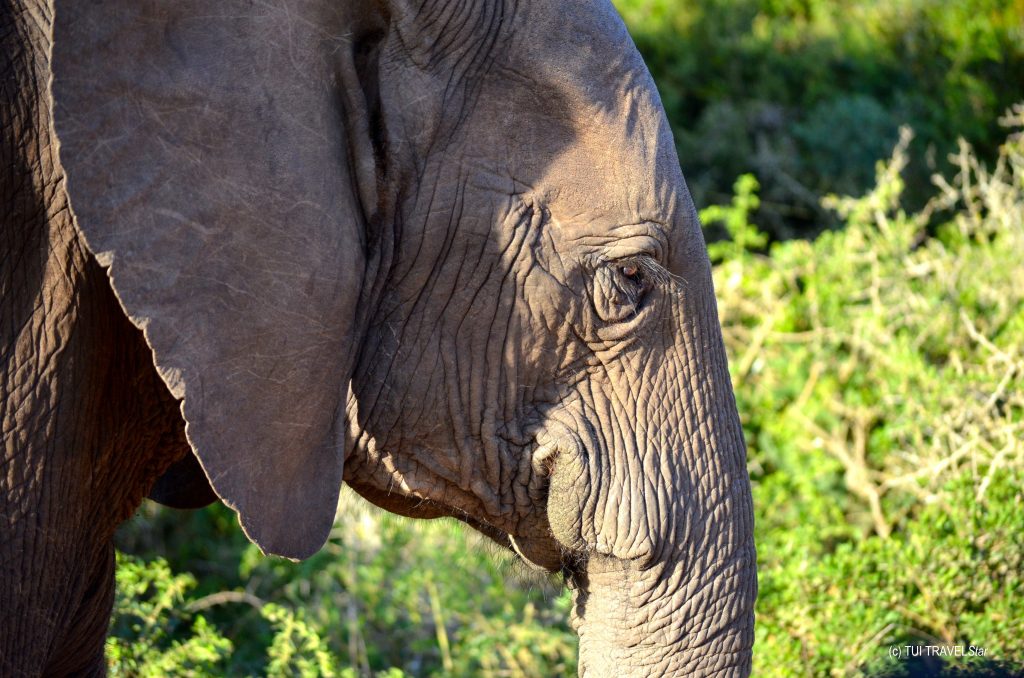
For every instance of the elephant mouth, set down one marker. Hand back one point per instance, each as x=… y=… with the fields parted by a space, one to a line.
x=541 y=549
x=539 y=553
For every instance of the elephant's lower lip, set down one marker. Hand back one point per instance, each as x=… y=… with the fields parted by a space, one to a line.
x=538 y=554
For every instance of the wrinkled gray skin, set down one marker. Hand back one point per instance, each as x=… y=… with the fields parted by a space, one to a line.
x=439 y=250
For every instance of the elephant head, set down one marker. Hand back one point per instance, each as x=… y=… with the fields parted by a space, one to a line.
x=442 y=251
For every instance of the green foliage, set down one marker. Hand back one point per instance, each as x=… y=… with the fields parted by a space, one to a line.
x=807 y=94
x=880 y=373
x=387 y=597
x=743 y=236
x=297 y=648
x=153 y=633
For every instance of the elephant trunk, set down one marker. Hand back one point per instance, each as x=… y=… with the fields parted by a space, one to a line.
x=666 y=581
x=664 y=620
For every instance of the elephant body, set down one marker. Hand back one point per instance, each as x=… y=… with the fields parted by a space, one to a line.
x=87 y=424
x=441 y=252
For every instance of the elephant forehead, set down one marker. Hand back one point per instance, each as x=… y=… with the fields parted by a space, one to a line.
x=611 y=177
x=577 y=117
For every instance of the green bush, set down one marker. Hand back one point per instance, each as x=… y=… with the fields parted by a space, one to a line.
x=807 y=94
x=386 y=597
x=879 y=371
x=153 y=632
x=880 y=374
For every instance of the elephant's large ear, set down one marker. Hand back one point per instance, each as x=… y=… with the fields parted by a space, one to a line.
x=217 y=162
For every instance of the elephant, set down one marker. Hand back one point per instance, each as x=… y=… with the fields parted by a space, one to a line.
x=441 y=252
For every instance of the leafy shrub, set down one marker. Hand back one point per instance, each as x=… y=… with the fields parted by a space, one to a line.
x=153 y=633
x=386 y=597
x=807 y=94
x=880 y=374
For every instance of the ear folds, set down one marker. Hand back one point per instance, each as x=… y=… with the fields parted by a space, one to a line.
x=210 y=168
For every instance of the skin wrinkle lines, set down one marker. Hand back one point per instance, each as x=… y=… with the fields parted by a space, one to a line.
x=507 y=361
x=490 y=423
x=458 y=381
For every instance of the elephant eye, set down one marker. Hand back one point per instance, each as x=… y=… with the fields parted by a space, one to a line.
x=631 y=271
x=634 y=275
x=622 y=285
x=628 y=283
